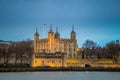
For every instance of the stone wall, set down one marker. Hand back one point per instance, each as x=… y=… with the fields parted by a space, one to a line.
x=95 y=63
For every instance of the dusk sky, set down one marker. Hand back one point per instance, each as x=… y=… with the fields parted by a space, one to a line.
x=97 y=20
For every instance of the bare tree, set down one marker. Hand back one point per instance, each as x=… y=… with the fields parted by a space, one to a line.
x=23 y=50
x=113 y=50
x=5 y=54
x=89 y=44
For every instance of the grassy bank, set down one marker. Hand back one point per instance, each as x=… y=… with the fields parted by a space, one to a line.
x=57 y=69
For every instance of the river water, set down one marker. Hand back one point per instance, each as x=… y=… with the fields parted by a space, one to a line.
x=60 y=76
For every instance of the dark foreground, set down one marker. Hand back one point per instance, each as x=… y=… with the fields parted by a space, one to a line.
x=58 y=69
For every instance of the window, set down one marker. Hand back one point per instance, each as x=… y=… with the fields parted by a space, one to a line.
x=73 y=49
x=59 y=61
x=35 y=61
x=70 y=55
x=52 y=61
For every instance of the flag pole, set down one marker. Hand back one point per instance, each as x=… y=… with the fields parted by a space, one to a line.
x=44 y=31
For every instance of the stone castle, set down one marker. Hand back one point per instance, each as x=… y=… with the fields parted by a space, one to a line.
x=54 y=50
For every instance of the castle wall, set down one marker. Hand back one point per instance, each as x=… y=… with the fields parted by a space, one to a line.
x=52 y=62
x=52 y=45
x=57 y=45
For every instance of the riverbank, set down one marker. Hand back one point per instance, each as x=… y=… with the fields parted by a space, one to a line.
x=47 y=69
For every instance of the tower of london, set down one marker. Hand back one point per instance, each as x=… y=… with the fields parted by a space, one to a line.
x=52 y=47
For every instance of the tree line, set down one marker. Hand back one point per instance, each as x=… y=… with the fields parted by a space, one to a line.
x=110 y=51
x=21 y=52
x=16 y=52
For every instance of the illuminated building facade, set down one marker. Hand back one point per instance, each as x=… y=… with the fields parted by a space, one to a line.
x=54 y=50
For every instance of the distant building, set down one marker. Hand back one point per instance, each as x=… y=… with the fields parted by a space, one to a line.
x=53 y=47
x=5 y=42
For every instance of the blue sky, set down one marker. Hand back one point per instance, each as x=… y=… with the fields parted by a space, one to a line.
x=97 y=20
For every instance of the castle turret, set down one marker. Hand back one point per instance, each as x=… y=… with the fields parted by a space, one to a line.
x=51 y=40
x=36 y=37
x=73 y=34
x=50 y=33
x=57 y=35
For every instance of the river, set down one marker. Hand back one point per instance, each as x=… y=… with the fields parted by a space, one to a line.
x=60 y=76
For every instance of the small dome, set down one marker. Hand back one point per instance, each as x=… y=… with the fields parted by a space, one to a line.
x=51 y=29
x=36 y=33
x=73 y=32
x=57 y=33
